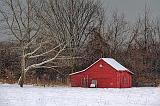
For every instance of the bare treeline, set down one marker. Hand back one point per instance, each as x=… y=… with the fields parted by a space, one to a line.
x=53 y=38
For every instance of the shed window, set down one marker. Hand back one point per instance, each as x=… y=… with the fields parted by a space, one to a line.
x=100 y=65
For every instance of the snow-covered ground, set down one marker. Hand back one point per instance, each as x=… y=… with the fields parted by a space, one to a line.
x=13 y=95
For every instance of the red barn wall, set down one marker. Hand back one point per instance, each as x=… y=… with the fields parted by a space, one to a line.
x=106 y=76
x=125 y=79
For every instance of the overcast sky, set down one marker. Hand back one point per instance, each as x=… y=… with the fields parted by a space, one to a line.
x=132 y=8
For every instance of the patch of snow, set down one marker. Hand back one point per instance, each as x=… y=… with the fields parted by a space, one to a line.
x=114 y=64
x=13 y=95
x=92 y=85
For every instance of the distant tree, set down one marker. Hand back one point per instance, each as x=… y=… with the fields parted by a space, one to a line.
x=142 y=49
x=117 y=33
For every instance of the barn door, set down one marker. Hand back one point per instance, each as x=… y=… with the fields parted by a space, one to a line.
x=84 y=82
x=93 y=84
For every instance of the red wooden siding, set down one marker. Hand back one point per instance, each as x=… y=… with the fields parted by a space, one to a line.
x=106 y=76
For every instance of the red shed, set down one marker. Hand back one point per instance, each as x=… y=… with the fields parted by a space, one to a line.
x=104 y=73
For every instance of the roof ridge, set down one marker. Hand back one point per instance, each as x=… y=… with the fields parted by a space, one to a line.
x=116 y=65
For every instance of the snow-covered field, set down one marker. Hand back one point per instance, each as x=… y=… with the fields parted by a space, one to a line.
x=13 y=95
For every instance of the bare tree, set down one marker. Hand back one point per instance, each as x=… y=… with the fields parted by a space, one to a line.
x=117 y=32
x=22 y=22
x=71 y=21
x=142 y=47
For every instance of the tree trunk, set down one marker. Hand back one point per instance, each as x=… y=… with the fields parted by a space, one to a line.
x=22 y=77
x=21 y=80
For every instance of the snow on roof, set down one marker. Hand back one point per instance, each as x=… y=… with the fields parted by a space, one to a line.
x=114 y=64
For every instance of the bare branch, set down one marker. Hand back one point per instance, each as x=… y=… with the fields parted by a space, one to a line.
x=44 y=52
x=47 y=61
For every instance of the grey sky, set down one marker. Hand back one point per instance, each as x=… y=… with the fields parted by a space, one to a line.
x=132 y=8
